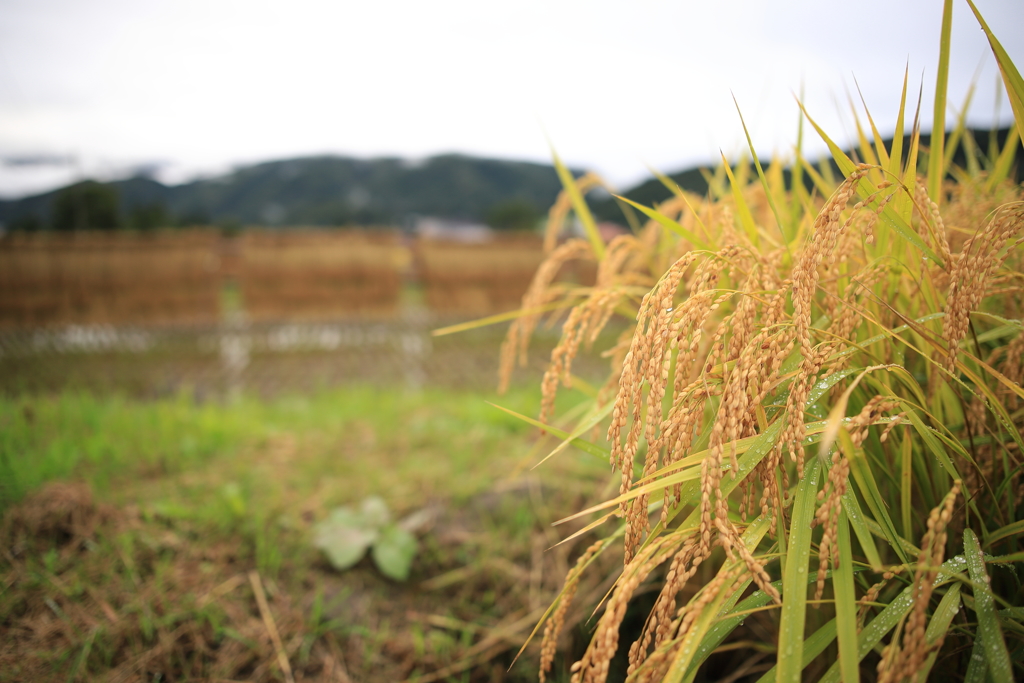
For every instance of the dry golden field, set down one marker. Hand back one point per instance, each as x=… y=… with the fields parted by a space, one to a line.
x=122 y=278
x=310 y=275
x=175 y=278
x=478 y=279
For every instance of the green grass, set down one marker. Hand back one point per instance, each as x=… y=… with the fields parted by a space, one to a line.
x=108 y=440
x=197 y=495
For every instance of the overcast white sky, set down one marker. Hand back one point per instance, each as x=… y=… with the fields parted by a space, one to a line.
x=201 y=85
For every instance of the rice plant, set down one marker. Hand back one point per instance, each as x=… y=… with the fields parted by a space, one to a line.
x=815 y=419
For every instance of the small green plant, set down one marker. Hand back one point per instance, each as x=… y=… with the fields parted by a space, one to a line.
x=347 y=533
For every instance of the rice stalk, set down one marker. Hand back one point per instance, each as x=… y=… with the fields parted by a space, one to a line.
x=873 y=314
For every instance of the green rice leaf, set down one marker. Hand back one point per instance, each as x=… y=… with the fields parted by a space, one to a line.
x=760 y=174
x=581 y=444
x=992 y=401
x=726 y=625
x=889 y=216
x=1004 y=162
x=939 y=625
x=977 y=667
x=903 y=201
x=930 y=441
x=846 y=605
x=989 y=632
x=865 y=481
x=820 y=183
x=688 y=649
x=499 y=318
x=906 y=486
x=579 y=205
x=1008 y=531
x=955 y=136
x=882 y=155
x=873 y=632
x=584 y=426
x=896 y=153
x=936 y=157
x=794 y=580
x=746 y=218
x=667 y=222
x=1011 y=77
x=867 y=151
x=677 y=191
x=813 y=646
x=851 y=508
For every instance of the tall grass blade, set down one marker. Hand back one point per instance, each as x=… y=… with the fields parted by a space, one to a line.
x=977 y=666
x=936 y=156
x=881 y=153
x=667 y=222
x=677 y=191
x=957 y=133
x=851 y=508
x=813 y=646
x=689 y=648
x=581 y=444
x=798 y=177
x=820 y=184
x=584 y=426
x=746 y=219
x=868 y=488
x=786 y=237
x=989 y=632
x=1009 y=531
x=873 y=632
x=903 y=203
x=896 y=153
x=889 y=216
x=794 y=580
x=579 y=205
x=1011 y=77
x=1004 y=162
x=906 y=486
x=867 y=150
x=938 y=627
x=498 y=318
x=846 y=605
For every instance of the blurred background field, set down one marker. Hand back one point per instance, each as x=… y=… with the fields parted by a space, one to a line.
x=180 y=408
x=265 y=311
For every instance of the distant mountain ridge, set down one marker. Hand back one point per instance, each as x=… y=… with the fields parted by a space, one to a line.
x=327 y=190
x=336 y=190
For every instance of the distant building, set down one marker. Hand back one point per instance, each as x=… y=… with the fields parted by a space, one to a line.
x=452 y=230
x=607 y=230
x=610 y=231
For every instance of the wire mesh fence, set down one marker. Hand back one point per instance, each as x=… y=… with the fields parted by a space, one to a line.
x=262 y=358
x=261 y=312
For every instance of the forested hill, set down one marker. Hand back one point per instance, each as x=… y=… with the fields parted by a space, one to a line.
x=334 y=190
x=324 y=190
